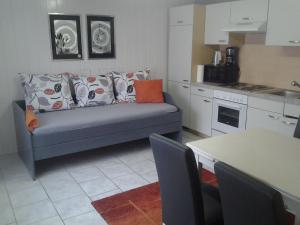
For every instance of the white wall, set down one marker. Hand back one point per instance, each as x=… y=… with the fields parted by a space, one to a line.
x=141 y=30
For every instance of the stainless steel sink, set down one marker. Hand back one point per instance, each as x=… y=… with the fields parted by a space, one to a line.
x=286 y=93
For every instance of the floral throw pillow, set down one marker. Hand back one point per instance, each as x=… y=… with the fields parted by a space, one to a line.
x=124 y=85
x=44 y=92
x=93 y=90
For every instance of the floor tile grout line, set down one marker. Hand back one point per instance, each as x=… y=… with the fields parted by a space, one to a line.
x=133 y=188
x=80 y=214
x=147 y=182
x=79 y=183
x=52 y=203
x=128 y=163
x=105 y=193
x=93 y=210
x=20 y=206
x=135 y=173
x=9 y=199
x=117 y=187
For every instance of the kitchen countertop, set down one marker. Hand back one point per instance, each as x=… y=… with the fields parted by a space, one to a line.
x=259 y=94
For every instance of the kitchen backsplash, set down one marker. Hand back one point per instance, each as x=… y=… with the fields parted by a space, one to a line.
x=274 y=66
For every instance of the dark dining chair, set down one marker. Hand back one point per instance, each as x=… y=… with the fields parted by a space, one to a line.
x=247 y=201
x=297 y=131
x=184 y=199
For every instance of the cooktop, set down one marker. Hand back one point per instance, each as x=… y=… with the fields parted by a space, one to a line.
x=246 y=87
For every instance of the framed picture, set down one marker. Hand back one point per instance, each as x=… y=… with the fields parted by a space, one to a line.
x=65 y=36
x=101 y=40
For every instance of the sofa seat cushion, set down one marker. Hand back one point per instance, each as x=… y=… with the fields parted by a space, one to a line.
x=82 y=123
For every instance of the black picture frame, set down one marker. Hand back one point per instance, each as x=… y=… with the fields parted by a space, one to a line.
x=106 y=34
x=67 y=45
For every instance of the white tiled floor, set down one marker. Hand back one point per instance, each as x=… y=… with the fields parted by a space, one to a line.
x=66 y=186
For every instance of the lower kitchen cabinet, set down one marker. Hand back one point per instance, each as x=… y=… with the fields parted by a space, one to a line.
x=201 y=114
x=181 y=94
x=257 y=118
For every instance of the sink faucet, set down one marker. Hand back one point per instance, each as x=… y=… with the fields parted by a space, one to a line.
x=295 y=83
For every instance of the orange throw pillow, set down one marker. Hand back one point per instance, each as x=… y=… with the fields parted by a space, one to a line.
x=149 y=91
x=31 y=120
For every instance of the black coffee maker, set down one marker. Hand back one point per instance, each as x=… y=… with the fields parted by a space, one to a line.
x=232 y=56
x=232 y=69
x=229 y=72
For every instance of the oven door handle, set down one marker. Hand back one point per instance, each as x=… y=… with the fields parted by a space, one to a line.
x=230 y=106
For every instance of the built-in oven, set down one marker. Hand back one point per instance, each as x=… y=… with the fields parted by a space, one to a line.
x=229 y=112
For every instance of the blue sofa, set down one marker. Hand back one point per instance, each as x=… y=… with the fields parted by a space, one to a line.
x=70 y=131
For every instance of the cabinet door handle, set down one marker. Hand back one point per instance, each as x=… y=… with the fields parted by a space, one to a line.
x=288 y=123
x=207 y=101
x=294 y=42
x=179 y=21
x=222 y=41
x=201 y=90
x=246 y=18
x=185 y=80
x=273 y=117
x=185 y=86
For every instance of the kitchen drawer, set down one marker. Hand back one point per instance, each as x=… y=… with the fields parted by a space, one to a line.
x=205 y=92
x=266 y=104
x=182 y=15
x=257 y=118
x=292 y=110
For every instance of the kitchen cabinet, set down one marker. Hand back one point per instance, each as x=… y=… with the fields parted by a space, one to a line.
x=183 y=15
x=217 y=17
x=201 y=114
x=180 y=53
x=249 y=11
x=266 y=104
x=186 y=51
x=202 y=91
x=181 y=94
x=283 y=23
x=257 y=118
x=186 y=43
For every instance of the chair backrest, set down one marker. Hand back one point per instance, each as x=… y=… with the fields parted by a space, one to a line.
x=179 y=182
x=247 y=201
x=297 y=131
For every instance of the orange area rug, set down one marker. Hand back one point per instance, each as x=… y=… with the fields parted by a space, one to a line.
x=140 y=206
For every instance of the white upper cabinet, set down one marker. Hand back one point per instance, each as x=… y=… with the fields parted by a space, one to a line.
x=284 y=23
x=182 y=15
x=217 y=17
x=180 y=53
x=249 y=11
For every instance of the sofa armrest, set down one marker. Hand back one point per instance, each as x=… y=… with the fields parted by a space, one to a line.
x=169 y=99
x=24 y=137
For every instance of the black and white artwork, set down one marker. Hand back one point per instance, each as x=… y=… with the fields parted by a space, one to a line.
x=101 y=42
x=65 y=36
